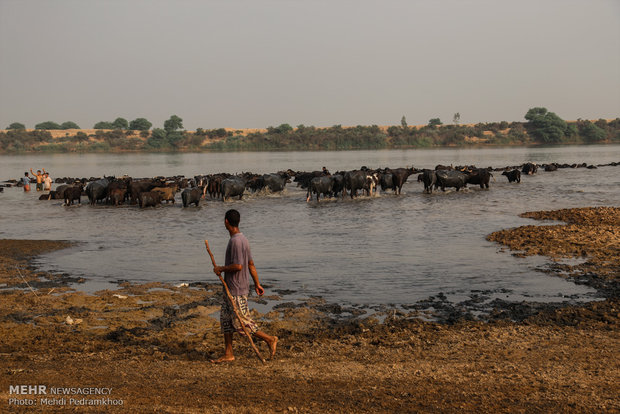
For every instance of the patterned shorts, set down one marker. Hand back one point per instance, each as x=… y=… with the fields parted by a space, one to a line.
x=228 y=320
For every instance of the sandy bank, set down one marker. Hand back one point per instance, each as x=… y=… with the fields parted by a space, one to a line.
x=151 y=345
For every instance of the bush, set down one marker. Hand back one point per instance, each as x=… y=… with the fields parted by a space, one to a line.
x=140 y=124
x=547 y=126
x=435 y=122
x=69 y=125
x=103 y=125
x=16 y=125
x=591 y=132
x=47 y=125
x=120 y=123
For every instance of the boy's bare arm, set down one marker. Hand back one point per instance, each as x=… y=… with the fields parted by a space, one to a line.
x=259 y=289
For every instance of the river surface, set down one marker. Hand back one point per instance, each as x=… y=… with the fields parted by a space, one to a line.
x=382 y=250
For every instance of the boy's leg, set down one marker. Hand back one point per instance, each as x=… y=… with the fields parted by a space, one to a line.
x=272 y=341
x=228 y=350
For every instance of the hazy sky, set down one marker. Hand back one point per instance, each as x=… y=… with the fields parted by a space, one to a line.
x=256 y=63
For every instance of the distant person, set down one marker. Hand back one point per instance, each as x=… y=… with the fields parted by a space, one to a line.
x=39 y=177
x=238 y=267
x=26 y=181
x=47 y=182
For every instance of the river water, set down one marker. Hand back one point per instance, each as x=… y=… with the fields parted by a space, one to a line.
x=370 y=251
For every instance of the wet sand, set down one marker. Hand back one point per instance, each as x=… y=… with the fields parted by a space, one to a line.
x=152 y=344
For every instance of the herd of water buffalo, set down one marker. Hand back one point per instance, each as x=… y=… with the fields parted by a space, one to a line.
x=152 y=192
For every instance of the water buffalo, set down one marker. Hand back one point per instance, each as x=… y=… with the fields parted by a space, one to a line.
x=275 y=182
x=513 y=175
x=303 y=178
x=116 y=196
x=386 y=181
x=338 y=184
x=192 y=196
x=529 y=168
x=97 y=190
x=149 y=199
x=255 y=183
x=480 y=176
x=449 y=178
x=358 y=180
x=134 y=188
x=214 y=185
x=60 y=192
x=429 y=178
x=232 y=187
x=73 y=193
x=167 y=193
x=399 y=177
x=320 y=185
x=551 y=167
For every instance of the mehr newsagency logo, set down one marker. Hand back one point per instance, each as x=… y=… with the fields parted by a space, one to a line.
x=43 y=395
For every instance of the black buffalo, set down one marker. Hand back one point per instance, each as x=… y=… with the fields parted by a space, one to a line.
x=97 y=190
x=149 y=199
x=232 y=187
x=450 y=178
x=358 y=180
x=73 y=193
x=399 y=177
x=480 y=176
x=320 y=185
x=275 y=182
x=429 y=178
x=513 y=175
x=192 y=196
x=386 y=181
x=529 y=168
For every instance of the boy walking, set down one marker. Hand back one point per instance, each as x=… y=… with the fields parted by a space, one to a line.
x=238 y=268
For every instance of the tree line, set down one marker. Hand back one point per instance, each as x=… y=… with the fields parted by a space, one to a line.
x=541 y=127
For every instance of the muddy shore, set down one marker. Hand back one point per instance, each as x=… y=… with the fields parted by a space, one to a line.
x=151 y=343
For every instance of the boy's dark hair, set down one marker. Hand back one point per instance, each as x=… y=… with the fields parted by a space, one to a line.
x=233 y=217
x=26 y=174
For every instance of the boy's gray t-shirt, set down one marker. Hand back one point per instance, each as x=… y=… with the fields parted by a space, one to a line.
x=238 y=252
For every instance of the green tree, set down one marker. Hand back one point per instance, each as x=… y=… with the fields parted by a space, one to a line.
x=547 y=126
x=103 y=125
x=456 y=119
x=140 y=124
x=403 y=122
x=120 y=123
x=591 y=132
x=157 y=139
x=16 y=125
x=80 y=136
x=435 y=122
x=69 y=125
x=47 y=125
x=173 y=124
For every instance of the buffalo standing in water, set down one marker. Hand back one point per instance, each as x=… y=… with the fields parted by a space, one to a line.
x=97 y=190
x=192 y=196
x=320 y=185
x=513 y=175
x=149 y=199
x=429 y=178
x=232 y=187
x=480 y=176
x=447 y=178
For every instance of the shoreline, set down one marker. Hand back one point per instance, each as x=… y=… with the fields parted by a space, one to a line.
x=364 y=148
x=158 y=338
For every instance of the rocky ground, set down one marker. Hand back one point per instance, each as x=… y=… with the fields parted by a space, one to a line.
x=151 y=343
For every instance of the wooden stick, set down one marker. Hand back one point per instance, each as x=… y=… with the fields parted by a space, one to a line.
x=25 y=281
x=234 y=306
